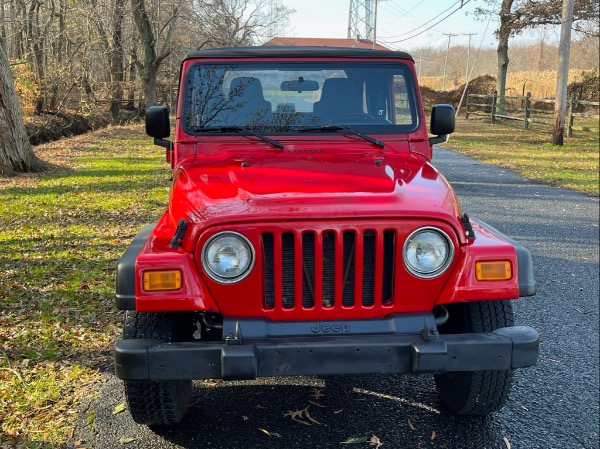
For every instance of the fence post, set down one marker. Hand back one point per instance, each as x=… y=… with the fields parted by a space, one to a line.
x=571 y=116
x=527 y=109
x=494 y=99
x=467 y=108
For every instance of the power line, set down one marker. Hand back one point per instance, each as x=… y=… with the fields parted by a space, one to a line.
x=431 y=20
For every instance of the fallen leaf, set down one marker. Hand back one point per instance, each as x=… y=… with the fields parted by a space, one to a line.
x=317 y=393
x=316 y=404
x=245 y=418
x=79 y=442
x=310 y=418
x=433 y=435
x=296 y=416
x=337 y=412
x=355 y=440
x=126 y=440
x=294 y=413
x=410 y=425
x=507 y=443
x=266 y=432
x=375 y=442
x=119 y=409
x=299 y=415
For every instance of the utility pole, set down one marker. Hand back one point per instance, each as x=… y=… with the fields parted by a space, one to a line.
x=468 y=55
x=360 y=18
x=420 y=62
x=562 y=75
x=446 y=62
x=375 y=24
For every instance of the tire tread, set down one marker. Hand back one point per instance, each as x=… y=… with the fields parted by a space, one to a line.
x=163 y=402
x=478 y=392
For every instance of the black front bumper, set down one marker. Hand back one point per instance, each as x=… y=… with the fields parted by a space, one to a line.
x=267 y=356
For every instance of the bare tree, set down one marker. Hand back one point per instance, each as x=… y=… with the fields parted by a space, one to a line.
x=148 y=68
x=235 y=23
x=16 y=154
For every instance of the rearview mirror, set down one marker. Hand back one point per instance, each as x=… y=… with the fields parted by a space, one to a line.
x=299 y=85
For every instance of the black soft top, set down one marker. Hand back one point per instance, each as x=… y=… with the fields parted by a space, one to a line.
x=299 y=52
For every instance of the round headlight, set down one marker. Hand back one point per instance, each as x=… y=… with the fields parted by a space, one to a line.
x=228 y=257
x=428 y=252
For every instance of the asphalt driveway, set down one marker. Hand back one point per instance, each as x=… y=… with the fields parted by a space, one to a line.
x=553 y=405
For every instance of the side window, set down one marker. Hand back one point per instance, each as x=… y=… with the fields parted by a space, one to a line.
x=402 y=102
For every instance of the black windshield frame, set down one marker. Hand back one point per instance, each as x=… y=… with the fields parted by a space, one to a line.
x=367 y=75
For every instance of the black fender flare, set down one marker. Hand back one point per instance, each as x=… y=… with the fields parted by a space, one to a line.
x=125 y=283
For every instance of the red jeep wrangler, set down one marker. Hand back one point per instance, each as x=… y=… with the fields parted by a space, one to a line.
x=307 y=233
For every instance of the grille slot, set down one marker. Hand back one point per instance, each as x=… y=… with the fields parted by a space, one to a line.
x=287 y=270
x=268 y=271
x=389 y=252
x=368 y=290
x=326 y=269
x=308 y=269
x=348 y=281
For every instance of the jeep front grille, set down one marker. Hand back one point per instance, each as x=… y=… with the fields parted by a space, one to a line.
x=328 y=268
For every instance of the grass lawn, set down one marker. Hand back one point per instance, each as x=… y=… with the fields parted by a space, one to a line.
x=61 y=235
x=531 y=152
x=63 y=231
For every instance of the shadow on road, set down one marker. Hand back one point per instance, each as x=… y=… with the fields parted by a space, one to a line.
x=402 y=411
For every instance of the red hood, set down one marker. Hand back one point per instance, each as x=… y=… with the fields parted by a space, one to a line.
x=292 y=186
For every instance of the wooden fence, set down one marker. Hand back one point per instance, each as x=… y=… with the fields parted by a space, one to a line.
x=531 y=110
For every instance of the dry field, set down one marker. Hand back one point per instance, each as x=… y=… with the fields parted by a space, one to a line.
x=540 y=84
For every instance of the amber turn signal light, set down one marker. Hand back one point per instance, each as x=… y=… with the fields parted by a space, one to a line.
x=497 y=270
x=156 y=281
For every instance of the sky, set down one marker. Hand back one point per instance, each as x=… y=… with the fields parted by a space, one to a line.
x=401 y=24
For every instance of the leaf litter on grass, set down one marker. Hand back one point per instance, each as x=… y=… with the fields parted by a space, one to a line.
x=61 y=235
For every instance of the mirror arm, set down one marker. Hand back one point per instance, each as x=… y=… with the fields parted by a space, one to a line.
x=163 y=143
x=438 y=139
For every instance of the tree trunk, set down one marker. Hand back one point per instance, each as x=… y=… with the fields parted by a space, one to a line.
x=16 y=154
x=560 y=103
x=131 y=82
x=116 y=62
x=148 y=77
x=2 y=21
x=148 y=69
x=503 y=34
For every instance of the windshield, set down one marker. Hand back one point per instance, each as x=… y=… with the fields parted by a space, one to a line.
x=286 y=97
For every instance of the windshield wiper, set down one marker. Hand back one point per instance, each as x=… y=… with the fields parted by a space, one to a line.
x=238 y=129
x=325 y=128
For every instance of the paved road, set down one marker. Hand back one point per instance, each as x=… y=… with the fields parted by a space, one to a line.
x=553 y=405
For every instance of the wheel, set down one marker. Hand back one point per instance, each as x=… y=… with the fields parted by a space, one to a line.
x=164 y=402
x=476 y=392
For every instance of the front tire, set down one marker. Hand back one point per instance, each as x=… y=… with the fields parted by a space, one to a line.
x=476 y=392
x=163 y=402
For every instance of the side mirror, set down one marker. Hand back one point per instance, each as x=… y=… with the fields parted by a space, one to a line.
x=158 y=126
x=442 y=122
